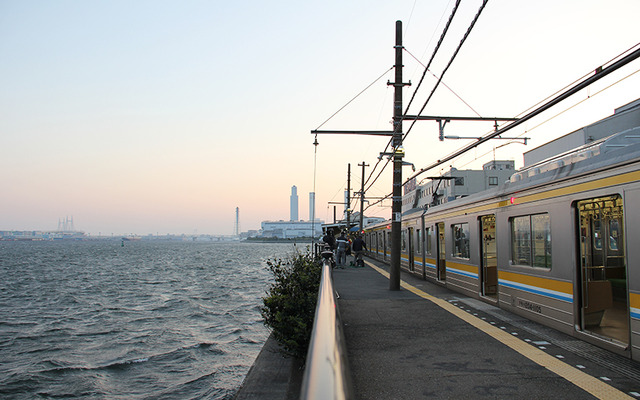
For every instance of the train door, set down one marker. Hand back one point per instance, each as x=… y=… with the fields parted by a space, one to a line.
x=488 y=257
x=604 y=306
x=441 y=252
x=410 y=249
x=422 y=248
x=387 y=242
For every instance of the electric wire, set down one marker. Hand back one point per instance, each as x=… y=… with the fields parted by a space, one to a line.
x=566 y=109
x=410 y=16
x=599 y=74
x=581 y=101
x=464 y=38
x=583 y=77
x=355 y=97
x=435 y=51
x=453 y=57
x=548 y=102
x=444 y=84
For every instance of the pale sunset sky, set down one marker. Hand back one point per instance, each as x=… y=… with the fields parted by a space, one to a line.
x=156 y=117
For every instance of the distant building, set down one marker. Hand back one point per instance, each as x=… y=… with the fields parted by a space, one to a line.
x=354 y=221
x=291 y=229
x=455 y=184
x=294 y=204
x=312 y=206
x=294 y=227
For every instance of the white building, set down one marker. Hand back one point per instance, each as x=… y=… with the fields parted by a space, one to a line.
x=455 y=184
x=294 y=228
x=291 y=229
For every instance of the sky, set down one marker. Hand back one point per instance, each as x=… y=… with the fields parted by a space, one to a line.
x=162 y=117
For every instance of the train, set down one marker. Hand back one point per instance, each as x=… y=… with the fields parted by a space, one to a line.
x=558 y=243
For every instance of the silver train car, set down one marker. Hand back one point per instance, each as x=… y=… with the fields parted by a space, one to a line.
x=559 y=243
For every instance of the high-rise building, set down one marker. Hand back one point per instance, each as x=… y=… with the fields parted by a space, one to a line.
x=294 y=203
x=236 y=226
x=312 y=206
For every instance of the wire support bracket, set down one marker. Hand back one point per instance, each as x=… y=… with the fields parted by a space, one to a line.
x=373 y=133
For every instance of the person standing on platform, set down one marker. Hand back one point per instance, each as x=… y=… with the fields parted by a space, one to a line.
x=329 y=239
x=342 y=244
x=358 y=247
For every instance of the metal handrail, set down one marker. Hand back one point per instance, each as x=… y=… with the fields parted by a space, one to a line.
x=326 y=375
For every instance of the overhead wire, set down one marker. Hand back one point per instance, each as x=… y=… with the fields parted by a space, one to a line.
x=569 y=108
x=355 y=97
x=599 y=74
x=583 y=77
x=464 y=38
x=444 y=84
x=410 y=16
x=453 y=57
x=419 y=84
x=435 y=51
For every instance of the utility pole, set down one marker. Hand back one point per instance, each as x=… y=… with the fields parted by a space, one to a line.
x=398 y=153
x=362 y=196
x=348 y=198
x=396 y=205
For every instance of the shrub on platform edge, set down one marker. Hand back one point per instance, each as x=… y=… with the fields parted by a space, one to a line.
x=290 y=304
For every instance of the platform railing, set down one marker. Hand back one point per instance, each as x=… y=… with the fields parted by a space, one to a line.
x=326 y=374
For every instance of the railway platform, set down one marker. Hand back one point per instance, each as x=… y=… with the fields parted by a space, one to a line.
x=426 y=341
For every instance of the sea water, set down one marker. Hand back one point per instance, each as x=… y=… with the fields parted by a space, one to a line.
x=147 y=320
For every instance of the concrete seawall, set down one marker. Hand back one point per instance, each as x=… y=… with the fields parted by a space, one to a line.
x=272 y=376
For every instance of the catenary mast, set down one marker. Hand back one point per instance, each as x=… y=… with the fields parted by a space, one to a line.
x=398 y=153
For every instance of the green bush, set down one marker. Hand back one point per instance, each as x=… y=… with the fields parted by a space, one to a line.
x=290 y=304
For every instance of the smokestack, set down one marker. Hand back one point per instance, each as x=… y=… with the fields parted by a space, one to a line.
x=312 y=206
x=294 y=203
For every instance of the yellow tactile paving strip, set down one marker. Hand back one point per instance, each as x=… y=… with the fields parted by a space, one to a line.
x=584 y=381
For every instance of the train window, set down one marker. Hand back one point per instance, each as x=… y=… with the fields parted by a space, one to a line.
x=459 y=181
x=460 y=240
x=403 y=241
x=531 y=240
x=427 y=237
x=613 y=234
x=493 y=180
x=597 y=237
x=418 y=246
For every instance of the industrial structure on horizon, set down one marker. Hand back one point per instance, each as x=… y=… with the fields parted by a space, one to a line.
x=294 y=227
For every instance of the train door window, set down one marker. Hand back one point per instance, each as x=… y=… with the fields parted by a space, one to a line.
x=403 y=240
x=418 y=245
x=387 y=244
x=541 y=240
x=427 y=237
x=410 y=248
x=603 y=272
x=531 y=240
x=488 y=256
x=441 y=252
x=460 y=233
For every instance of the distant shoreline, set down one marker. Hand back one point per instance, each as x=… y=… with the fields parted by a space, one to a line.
x=305 y=240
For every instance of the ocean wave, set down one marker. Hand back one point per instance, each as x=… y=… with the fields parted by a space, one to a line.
x=151 y=320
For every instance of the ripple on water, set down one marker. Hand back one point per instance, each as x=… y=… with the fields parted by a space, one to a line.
x=148 y=320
